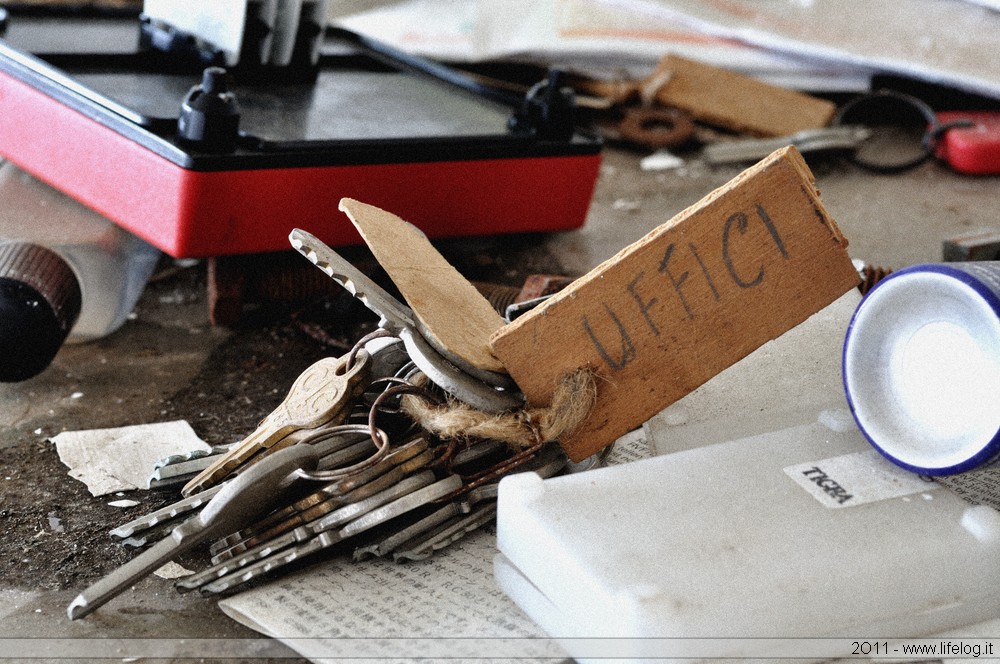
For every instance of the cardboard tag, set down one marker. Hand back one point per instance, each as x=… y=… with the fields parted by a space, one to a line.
x=727 y=99
x=453 y=315
x=737 y=269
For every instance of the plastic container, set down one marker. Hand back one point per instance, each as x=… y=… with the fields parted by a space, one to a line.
x=65 y=272
x=758 y=547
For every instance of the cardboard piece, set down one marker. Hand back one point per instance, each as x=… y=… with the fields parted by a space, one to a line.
x=453 y=315
x=737 y=269
x=727 y=99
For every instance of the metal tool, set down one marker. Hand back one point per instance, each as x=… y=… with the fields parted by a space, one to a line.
x=448 y=533
x=242 y=500
x=847 y=137
x=321 y=395
x=340 y=518
x=497 y=396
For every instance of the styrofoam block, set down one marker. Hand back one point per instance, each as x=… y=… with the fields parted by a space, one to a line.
x=728 y=541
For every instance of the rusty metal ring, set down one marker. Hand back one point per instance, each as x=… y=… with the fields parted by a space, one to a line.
x=656 y=128
x=379 y=437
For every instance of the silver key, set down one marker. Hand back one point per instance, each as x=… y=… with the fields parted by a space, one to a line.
x=448 y=533
x=307 y=531
x=329 y=449
x=242 y=500
x=168 y=513
x=393 y=313
x=844 y=137
x=487 y=391
x=328 y=538
x=344 y=490
x=412 y=532
x=459 y=517
x=180 y=467
x=381 y=489
x=388 y=356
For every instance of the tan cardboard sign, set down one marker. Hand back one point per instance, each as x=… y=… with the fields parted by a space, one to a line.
x=737 y=269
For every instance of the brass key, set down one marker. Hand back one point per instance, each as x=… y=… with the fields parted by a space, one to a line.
x=320 y=396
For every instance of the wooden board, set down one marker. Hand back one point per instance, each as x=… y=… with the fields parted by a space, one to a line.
x=727 y=99
x=746 y=263
x=452 y=313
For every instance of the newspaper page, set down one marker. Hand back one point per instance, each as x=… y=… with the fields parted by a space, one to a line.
x=980 y=486
x=445 y=606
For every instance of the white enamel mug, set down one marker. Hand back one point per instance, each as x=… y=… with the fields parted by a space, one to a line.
x=921 y=367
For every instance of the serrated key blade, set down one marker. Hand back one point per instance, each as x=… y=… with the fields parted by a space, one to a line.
x=394 y=314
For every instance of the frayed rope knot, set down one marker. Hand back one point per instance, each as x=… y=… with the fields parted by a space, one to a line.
x=572 y=402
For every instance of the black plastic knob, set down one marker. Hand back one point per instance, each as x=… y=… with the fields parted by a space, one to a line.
x=210 y=115
x=39 y=303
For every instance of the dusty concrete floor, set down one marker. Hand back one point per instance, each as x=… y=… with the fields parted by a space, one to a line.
x=170 y=363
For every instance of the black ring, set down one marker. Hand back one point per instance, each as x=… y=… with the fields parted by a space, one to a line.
x=864 y=104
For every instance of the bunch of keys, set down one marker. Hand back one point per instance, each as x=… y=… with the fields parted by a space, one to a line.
x=322 y=469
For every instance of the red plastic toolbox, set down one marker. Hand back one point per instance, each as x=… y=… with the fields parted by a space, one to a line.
x=102 y=127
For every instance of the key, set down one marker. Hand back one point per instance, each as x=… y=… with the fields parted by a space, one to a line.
x=164 y=514
x=326 y=538
x=313 y=507
x=388 y=356
x=452 y=522
x=175 y=468
x=319 y=396
x=150 y=535
x=411 y=533
x=448 y=533
x=392 y=312
x=845 y=137
x=430 y=527
x=343 y=490
x=242 y=500
x=334 y=519
x=136 y=532
x=497 y=394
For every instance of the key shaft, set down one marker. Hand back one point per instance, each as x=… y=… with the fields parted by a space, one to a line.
x=237 y=503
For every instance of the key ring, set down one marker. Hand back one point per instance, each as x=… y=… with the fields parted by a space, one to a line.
x=379 y=437
x=895 y=106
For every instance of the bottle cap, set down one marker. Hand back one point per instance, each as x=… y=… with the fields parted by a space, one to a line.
x=922 y=367
x=39 y=303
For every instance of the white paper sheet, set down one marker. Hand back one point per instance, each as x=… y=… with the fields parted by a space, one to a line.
x=810 y=44
x=949 y=42
x=594 y=36
x=120 y=459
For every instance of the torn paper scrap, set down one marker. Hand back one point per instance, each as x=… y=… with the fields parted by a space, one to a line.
x=172 y=570
x=120 y=459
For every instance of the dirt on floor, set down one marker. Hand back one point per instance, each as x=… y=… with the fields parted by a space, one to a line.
x=56 y=533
